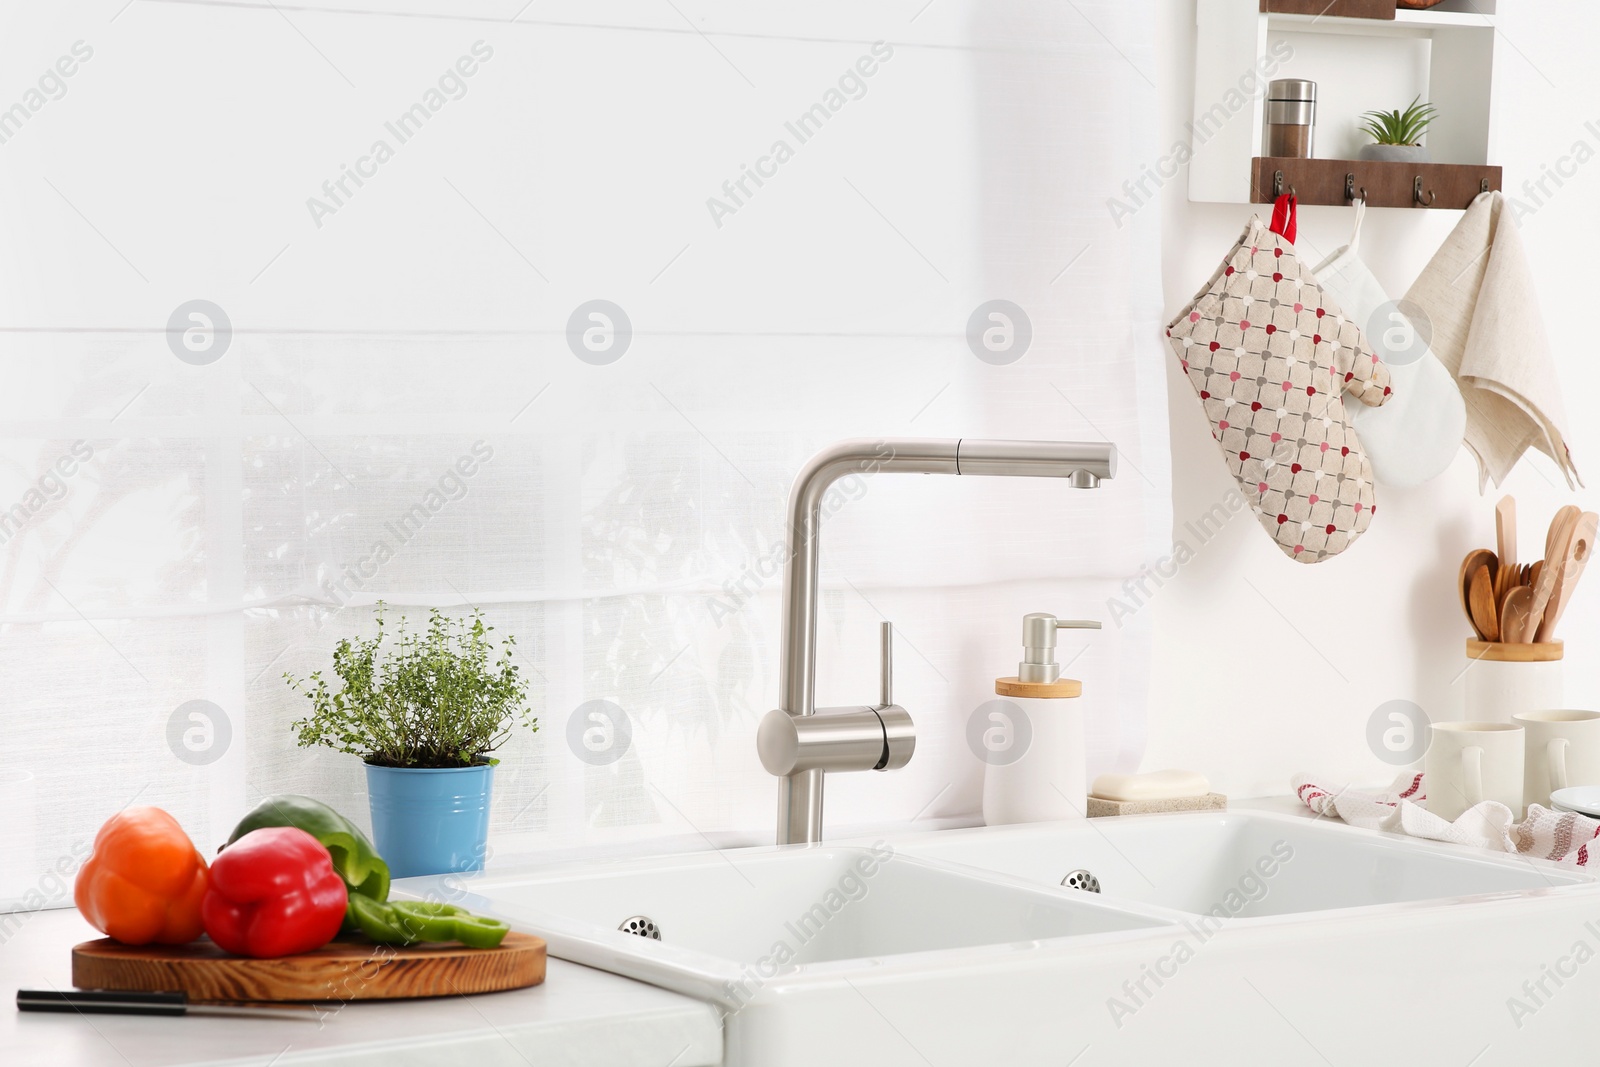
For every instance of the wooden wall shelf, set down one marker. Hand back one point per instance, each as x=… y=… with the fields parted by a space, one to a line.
x=1326 y=181
x=1348 y=9
x=1364 y=55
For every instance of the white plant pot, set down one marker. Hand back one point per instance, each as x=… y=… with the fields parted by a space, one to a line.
x=1396 y=153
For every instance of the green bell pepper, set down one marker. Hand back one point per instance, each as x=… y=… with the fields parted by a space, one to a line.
x=406 y=922
x=358 y=863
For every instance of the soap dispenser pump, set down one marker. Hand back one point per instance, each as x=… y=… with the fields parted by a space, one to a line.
x=1038 y=662
x=1040 y=771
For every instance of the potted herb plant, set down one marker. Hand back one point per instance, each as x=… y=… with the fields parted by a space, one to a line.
x=423 y=714
x=1397 y=135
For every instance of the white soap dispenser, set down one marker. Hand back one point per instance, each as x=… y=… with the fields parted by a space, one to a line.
x=1035 y=765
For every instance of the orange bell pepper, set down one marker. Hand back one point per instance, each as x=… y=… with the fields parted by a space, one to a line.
x=144 y=880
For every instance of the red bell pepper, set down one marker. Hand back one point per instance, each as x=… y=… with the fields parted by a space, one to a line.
x=274 y=892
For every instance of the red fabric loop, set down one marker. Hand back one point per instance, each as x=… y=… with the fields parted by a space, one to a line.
x=1284 y=220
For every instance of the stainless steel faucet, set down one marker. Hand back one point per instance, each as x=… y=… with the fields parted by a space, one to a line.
x=799 y=742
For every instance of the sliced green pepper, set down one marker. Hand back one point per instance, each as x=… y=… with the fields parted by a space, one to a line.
x=480 y=931
x=374 y=919
x=406 y=922
x=357 y=862
x=425 y=921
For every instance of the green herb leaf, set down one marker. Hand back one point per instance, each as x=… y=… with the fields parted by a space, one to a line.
x=443 y=698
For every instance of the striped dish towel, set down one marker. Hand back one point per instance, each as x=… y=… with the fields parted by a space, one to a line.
x=1402 y=809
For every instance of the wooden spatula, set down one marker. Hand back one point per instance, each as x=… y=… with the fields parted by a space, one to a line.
x=1571 y=511
x=1505 y=535
x=1570 y=570
x=1558 y=544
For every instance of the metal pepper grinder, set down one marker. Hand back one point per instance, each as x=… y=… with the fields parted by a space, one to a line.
x=1291 y=120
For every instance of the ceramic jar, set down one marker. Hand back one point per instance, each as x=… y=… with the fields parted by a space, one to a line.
x=1503 y=680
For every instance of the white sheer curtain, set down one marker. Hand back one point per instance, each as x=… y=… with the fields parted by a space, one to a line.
x=233 y=520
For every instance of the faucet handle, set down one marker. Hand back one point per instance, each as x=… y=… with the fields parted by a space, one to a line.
x=860 y=738
x=899 y=734
x=886 y=664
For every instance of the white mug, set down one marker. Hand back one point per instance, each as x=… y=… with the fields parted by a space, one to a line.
x=1563 y=748
x=1470 y=762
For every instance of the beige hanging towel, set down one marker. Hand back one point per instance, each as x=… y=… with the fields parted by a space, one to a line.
x=1481 y=303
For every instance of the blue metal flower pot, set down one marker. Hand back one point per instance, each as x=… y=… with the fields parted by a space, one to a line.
x=430 y=820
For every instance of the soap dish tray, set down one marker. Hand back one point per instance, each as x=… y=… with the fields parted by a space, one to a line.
x=1210 y=802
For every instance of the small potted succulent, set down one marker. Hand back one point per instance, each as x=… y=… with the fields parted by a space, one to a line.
x=1397 y=135
x=424 y=718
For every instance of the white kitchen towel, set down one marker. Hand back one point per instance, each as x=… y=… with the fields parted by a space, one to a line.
x=1414 y=437
x=1481 y=307
x=1561 y=836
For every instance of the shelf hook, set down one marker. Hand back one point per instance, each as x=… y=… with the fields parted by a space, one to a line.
x=1416 y=193
x=1277 y=185
x=1350 y=187
x=1483 y=185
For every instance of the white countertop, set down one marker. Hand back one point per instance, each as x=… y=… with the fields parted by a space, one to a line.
x=1280 y=805
x=579 y=1017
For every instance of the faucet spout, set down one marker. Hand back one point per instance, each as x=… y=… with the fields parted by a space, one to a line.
x=1082 y=464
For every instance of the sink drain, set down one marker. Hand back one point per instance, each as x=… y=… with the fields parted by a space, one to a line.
x=1081 y=879
x=644 y=926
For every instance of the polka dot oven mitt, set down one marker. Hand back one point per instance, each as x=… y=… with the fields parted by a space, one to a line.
x=1269 y=353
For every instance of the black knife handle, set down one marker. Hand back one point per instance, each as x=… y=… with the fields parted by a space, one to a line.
x=95 y=1002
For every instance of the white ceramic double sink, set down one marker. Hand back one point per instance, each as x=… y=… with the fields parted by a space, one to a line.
x=963 y=946
x=1248 y=865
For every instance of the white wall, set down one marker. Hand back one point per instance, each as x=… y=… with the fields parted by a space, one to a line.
x=1265 y=667
x=178 y=165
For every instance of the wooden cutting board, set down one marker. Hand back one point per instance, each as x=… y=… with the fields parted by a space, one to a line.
x=340 y=971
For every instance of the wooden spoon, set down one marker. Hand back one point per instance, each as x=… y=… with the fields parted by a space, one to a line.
x=1514 y=614
x=1571 y=569
x=1478 y=557
x=1480 y=596
x=1505 y=536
